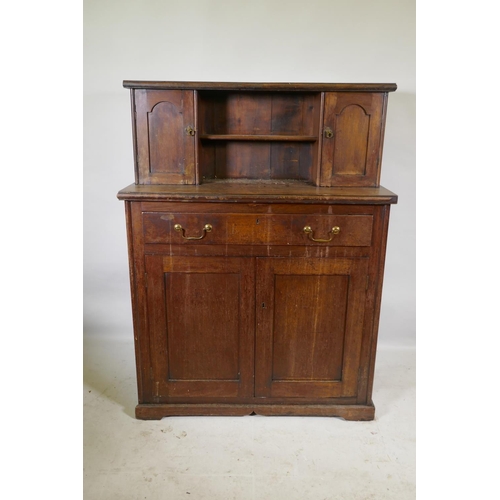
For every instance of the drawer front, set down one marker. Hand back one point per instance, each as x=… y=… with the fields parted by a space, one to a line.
x=257 y=229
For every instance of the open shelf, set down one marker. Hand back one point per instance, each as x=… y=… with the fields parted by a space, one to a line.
x=259 y=137
x=243 y=159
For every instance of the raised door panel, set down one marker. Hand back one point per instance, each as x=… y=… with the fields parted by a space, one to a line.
x=352 y=139
x=201 y=312
x=165 y=144
x=309 y=326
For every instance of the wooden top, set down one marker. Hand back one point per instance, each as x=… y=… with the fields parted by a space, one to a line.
x=284 y=86
x=259 y=192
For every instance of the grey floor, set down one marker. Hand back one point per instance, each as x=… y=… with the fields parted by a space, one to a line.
x=244 y=458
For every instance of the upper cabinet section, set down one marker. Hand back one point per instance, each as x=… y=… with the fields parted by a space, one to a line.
x=319 y=134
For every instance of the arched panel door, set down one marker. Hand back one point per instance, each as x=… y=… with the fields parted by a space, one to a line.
x=352 y=138
x=165 y=136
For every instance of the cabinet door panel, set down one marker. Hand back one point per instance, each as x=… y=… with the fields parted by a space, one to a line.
x=352 y=142
x=165 y=149
x=201 y=313
x=309 y=326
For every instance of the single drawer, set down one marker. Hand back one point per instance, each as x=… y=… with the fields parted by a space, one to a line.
x=257 y=229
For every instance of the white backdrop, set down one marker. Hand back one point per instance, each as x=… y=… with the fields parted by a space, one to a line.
x=219 y=40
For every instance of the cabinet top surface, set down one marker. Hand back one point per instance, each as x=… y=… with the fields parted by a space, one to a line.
x=282 y=86
x=259 y=192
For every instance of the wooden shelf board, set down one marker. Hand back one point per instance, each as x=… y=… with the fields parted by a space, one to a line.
x=261 y=191
x=256 y=137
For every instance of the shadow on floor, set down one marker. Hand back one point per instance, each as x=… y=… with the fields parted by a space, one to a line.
x=109 y=370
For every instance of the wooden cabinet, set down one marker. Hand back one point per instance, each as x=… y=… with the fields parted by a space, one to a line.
x=257 y=233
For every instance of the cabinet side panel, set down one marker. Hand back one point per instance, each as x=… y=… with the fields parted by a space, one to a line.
x=137 y=287
x=378 y=298
x=318 y=146
x=142 y=136
x=196 y=173
x=328 y=145
x=374 y=297
x=382 y=136
x=134 y=135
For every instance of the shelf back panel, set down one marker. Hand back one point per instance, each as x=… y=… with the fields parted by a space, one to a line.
x=263 y=113
x=256 y=160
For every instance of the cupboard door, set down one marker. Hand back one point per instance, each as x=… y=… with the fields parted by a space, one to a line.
x=309 y=326
x=165 y=136
x=352 y=138
x=201 y=324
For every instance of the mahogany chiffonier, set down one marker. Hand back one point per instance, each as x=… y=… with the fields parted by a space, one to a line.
x=257 y=231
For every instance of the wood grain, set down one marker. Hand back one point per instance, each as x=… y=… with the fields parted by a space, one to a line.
x=303 y=321
x=274 y=87
x=352 y=157
x=201 y=315
x=260 y=192
x=257 y=229
x=165 y=152
x=260 y=138
x=253 y=132
x=309 y=325
x=347 y=412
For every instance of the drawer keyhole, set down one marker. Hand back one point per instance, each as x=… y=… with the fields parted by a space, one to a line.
x=257 y=221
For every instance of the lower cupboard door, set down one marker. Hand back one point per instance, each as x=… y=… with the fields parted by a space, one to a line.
x=201 y=314
x=309 y=326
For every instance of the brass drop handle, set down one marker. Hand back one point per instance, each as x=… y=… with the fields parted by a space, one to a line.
x=190 y=131
x=206 y=229
x=328 y=133
x=308 y=230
